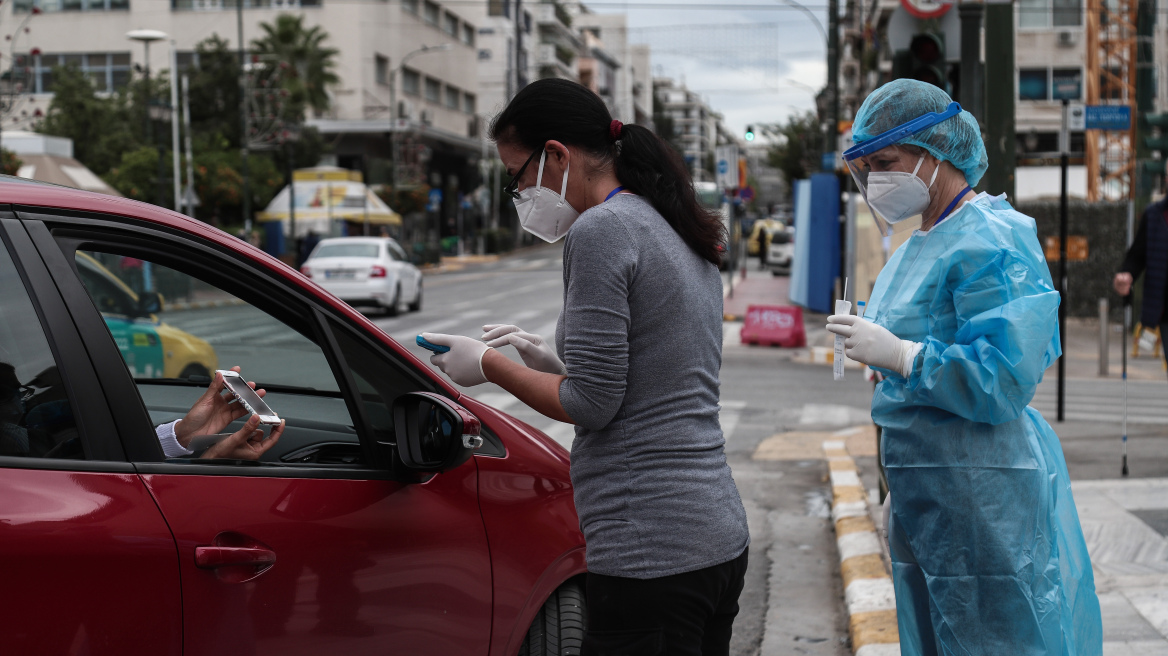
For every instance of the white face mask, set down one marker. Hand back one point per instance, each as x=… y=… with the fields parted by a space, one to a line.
x=898 y=195
x=543 y=212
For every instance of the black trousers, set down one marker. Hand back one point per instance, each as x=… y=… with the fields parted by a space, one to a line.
x=689 y=614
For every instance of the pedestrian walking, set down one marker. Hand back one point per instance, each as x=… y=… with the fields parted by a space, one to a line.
x=988 y=556
x=1148 y=255
x=635 y=368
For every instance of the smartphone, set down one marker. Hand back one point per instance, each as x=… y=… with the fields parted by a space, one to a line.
x=247 y=396
x=431 y=347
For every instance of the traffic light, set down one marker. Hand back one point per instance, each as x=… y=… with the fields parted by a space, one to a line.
x=749 y=136
x=1160 y=142
x=924 y=60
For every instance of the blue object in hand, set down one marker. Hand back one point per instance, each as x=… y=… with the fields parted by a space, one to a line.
x=432 y=347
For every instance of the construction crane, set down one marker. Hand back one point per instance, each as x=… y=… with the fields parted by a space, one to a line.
x=1111 y=80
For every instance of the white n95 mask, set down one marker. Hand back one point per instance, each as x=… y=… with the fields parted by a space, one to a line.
x=897 y=195
x=543 y=212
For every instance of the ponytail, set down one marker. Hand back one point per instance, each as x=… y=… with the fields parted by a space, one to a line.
x=562 y=110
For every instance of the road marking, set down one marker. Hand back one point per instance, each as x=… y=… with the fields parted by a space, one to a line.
x=497 y=400
x=561 y=433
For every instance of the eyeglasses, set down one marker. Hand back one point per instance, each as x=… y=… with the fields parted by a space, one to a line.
x=512 y=188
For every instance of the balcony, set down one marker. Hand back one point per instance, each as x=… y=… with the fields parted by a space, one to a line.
x=549 y=61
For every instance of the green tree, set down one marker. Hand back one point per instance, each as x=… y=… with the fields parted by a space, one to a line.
x=799 y=150
x=310 y=63
x=135 y=174
x=100 y=127
x=214 y=92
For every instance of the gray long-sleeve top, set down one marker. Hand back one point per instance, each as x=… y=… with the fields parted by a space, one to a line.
x=641 y=336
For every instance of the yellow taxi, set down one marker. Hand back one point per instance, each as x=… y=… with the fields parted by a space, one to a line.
x=151 y=349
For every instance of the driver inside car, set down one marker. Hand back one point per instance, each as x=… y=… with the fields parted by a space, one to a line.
x=210 y=414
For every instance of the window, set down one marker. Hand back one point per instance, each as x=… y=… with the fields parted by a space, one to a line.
x=430 y=12
x=381 y=69
x=450 y=24
x=109 y=71
x=1032 y=84
x=201 y=327
x=499 y=8
x=452 y=97
x=468 y=103
x=468 y=34
x=36 y=418
x=50 y=6
x=410 y=6
x=433 y=90
x=1048 y=84
x=1037 y=14
x=411 y=82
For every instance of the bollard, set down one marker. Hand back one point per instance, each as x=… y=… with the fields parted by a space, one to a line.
x=1104 y=337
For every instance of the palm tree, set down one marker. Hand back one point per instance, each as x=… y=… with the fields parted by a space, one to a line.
x=310 y=63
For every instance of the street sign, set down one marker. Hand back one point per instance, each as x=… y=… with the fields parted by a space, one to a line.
x=1099 y=117
x=726 y=165
x=746 y=194
x=828 y=161
x=1076 y=248
x=435 y=200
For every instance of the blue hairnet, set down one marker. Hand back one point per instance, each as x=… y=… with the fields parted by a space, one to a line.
x=956 y=140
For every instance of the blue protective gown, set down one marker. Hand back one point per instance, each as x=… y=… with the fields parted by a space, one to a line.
x=987 y=553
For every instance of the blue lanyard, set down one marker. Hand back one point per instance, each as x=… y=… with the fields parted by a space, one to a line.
x=614 y=192
x=945 y=214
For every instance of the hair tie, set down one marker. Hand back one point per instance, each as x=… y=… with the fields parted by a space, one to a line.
x=614 y=129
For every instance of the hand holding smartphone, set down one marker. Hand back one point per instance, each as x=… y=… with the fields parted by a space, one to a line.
x=248 y=397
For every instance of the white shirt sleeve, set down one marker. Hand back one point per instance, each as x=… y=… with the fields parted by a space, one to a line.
x=169 y=441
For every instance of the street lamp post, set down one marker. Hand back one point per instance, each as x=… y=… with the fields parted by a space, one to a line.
x=146 y=37
x=393 y=110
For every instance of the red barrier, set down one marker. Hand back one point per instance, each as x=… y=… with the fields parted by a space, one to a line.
x=774 y=325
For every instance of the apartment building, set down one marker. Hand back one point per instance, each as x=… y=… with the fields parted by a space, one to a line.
x=392 y=90
x=697 y=128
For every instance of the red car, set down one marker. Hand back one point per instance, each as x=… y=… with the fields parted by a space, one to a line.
x=394 y=515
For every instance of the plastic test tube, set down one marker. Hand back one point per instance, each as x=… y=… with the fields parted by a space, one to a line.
x=837 y=361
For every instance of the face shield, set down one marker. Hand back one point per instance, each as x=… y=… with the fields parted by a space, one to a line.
x=885 y=171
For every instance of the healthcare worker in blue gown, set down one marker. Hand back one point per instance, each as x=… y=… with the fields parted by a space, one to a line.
x=987 y=553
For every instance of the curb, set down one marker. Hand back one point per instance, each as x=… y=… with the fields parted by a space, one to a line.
x=199 y=305
x=868 y=591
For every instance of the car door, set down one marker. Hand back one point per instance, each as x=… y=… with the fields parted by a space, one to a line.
x=87 y=562
x=318 y=547
x=407 y=273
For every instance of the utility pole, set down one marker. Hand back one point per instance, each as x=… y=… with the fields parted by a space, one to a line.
x=999 y=100
x=243 y=136
x=972 y=85
x=832 y=132
x=520 y=60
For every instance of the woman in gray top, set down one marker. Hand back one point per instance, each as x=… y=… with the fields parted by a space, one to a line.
x=635 y=368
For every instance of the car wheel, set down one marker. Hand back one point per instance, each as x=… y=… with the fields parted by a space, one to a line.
x=558 y=628
x=391 y=308
x=416 y=306
x=194 y=370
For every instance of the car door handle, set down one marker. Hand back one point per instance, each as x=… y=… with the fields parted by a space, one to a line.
x=209 y=557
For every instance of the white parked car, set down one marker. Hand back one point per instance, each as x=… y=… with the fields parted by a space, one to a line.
x=366 y=271
x=782 y=251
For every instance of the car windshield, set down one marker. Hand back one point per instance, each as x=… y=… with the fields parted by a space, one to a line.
x=346 y=250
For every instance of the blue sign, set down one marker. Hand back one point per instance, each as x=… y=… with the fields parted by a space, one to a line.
x=435 y=203
x=723 y=166
x=829 y=161
x=1107 y=117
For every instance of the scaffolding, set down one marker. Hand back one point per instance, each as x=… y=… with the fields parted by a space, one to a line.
x=1111 y=80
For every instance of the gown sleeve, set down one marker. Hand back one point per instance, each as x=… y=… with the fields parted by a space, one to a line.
x=1007 y=324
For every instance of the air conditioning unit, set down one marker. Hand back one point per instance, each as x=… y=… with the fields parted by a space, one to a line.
x=1068 y=38
x=427 y=117
x=405 y=109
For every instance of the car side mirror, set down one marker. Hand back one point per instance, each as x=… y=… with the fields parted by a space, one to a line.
x=149 y=303
x=434 y=434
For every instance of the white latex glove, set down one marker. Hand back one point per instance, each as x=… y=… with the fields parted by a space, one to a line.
x=463 y=363
x=874 y=345
x=536 y=352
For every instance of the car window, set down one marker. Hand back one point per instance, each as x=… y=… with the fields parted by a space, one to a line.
x=397 y=252
x=346 y=250
x=378 y=382
x=173 y=352
x=36 y=418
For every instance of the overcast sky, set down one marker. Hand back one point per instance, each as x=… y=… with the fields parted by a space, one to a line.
x=748 y=63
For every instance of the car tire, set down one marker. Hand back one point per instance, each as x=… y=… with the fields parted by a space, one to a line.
x=416 y=305
x=558 y=627
x=195 y=370
x=391 y=309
